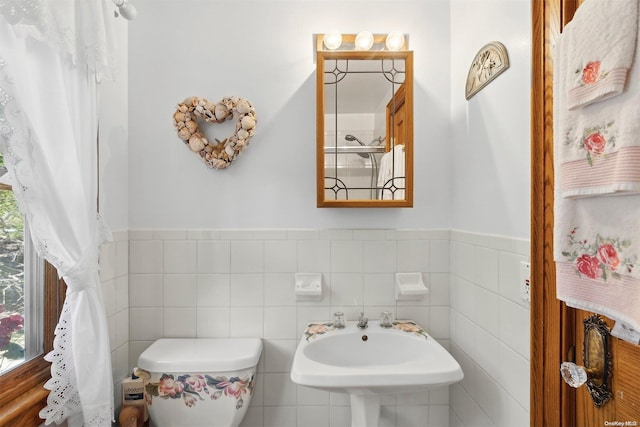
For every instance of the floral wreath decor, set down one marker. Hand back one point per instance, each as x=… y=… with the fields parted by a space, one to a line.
x=216 y=154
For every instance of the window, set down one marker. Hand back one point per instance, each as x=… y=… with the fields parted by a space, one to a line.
x=30 y=301
x=20 y=281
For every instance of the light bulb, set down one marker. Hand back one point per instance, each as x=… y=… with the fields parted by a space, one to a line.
x=364 y=40
x=395 y=40
x=332 y=40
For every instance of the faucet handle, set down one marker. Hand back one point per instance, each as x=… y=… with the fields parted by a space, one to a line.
x=338 y=320
x=362 y=321
x=386 y=319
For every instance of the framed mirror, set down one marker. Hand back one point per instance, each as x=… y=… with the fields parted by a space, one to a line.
x=364 y=124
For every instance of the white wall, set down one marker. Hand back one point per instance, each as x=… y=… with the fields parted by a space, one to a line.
x=490 y=196
x=114 y=143
x=471 y=170
x=263 y=51
x=113 y=205
x=491 y=131
x=472 y=157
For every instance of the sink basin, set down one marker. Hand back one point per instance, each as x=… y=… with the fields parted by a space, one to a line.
x=369 y=362
x=403 y=358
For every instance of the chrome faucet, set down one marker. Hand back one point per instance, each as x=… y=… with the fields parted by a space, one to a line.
x=363 y=322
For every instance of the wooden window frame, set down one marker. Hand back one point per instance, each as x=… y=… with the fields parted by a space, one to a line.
x=22 y=392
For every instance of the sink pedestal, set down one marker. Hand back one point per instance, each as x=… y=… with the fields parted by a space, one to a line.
x=365 y=410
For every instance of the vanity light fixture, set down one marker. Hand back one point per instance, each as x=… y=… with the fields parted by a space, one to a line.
x=364 y=40
x=126 y=9
x=332 y=40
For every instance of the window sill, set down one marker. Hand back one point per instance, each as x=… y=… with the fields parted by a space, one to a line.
x=22 y=392
x=25 y=409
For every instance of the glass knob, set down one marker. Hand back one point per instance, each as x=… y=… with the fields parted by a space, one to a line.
x=573 y=374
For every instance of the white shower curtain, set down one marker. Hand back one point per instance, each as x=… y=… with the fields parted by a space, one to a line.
x=52 y=55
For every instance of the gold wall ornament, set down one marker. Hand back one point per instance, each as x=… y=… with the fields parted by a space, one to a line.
x=490 y=61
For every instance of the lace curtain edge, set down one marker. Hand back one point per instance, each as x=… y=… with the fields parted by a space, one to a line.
x=82 y=31
x=65 y=400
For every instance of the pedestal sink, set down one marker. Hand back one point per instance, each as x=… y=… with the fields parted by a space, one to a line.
x=366 y=363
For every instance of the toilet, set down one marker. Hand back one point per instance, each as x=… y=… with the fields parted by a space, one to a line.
x=199 y=382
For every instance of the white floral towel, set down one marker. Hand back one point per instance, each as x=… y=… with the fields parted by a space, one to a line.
x=601 y=41
x=596 y=250
x=597 y=195
x=598 y=146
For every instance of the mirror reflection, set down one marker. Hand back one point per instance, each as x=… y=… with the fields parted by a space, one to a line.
x=364 y=128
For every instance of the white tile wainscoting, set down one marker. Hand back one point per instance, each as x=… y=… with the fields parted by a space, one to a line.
x=221 y=283
x=489 y=331
x=114 y=276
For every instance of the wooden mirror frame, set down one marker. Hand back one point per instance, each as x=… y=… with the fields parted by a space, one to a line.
x=407 y=56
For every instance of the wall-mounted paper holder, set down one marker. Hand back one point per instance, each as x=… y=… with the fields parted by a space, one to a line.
x=410 y=287
x=308 y=286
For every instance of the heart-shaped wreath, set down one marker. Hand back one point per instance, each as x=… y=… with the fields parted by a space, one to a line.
x=218 y=154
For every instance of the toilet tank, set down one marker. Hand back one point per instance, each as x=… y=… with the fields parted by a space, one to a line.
x=192 y=381
x=201 y=354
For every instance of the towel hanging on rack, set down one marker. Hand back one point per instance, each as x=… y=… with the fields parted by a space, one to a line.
x=597 y=146
x=596 y=250
x=597 y=191
x=601 y=40
x=391 y=174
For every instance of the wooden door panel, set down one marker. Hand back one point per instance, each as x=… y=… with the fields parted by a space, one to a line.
x=555 y=327
x=401 y=128
x=626 y=387
x=396 y=112
x=625 y=382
